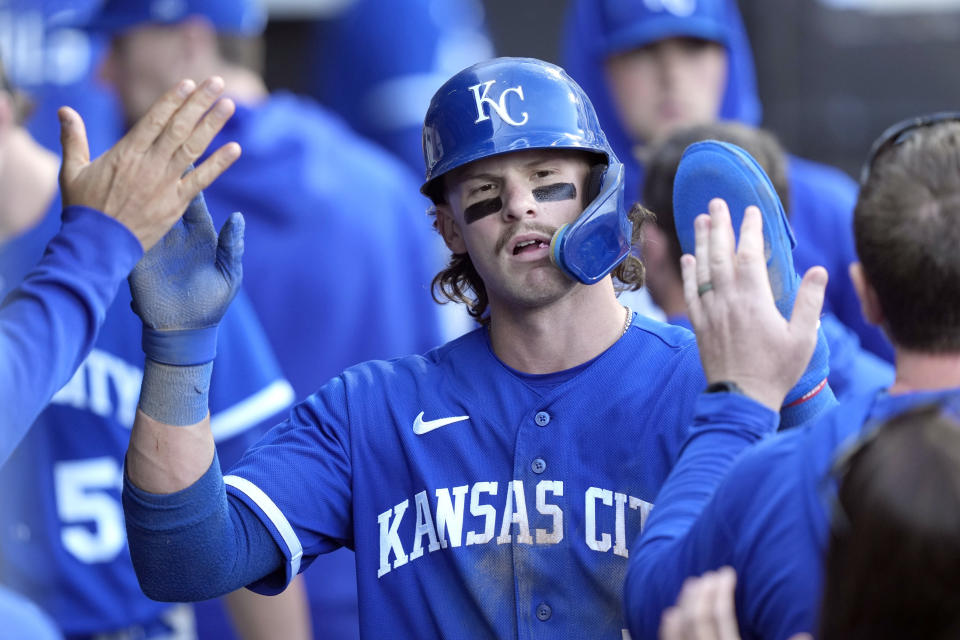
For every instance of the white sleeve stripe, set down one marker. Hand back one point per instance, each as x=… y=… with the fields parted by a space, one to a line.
x=276 y=516
x=248 y=412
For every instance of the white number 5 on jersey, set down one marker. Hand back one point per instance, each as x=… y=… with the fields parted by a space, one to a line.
x=81 y=487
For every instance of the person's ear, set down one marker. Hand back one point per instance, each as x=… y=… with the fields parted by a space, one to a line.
x=869 y=302
x=448 y=228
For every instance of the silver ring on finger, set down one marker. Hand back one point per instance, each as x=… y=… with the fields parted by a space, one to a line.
x=703 y=288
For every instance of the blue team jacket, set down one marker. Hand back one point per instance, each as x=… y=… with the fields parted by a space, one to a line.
x=766 y=518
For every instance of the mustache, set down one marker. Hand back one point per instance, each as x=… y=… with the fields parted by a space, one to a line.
x=507 y=237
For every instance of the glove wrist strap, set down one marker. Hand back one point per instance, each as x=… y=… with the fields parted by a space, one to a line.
x=175 y=395
x=182 y=347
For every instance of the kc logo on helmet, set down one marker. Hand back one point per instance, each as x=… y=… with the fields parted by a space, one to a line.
x=500 y=107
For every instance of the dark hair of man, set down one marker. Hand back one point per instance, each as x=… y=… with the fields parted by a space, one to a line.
x=661 y=167
x=893 y=562
x=907 y=231
x=460 y=282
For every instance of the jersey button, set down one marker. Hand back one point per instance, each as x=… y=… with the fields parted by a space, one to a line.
x=538 y=465
x=542 y=418
x=544 y=612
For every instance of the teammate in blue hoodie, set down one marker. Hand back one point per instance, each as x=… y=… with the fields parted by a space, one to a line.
x=650 y=67
x=764 y=513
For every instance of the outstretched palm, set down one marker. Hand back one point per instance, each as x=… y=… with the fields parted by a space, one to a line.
x=188 y=279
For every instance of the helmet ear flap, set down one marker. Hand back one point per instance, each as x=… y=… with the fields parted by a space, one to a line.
x=600 y=238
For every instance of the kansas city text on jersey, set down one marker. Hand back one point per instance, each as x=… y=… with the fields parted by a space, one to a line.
x=492 y=516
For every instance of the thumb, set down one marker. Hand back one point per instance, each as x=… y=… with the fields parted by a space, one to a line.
x=809 y=302
x=230 y=248
x=73 y=141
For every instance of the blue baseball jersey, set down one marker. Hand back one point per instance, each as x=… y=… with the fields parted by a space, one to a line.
x=62 y=536
x=480 y=501
x=767 y=519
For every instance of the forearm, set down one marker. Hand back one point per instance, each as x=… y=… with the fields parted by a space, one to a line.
x=163 y=459
x=195 y=544
x=49 y=323
x=669 y=549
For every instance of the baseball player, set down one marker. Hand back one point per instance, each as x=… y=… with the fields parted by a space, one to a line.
x=62 y=535
x=653 y=66
x=491 y=486
x=764 y=515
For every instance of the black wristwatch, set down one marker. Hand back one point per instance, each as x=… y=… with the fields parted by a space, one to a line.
x=724 y=386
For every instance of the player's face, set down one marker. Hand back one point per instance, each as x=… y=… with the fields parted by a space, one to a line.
x=667 y=85
x=504 y=210
x=142 y=63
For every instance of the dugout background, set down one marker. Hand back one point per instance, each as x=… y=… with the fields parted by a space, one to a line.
x=832 y=73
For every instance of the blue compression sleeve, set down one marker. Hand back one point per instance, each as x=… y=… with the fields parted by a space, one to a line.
x=724 y=425
x=196 y=544
x=49 y=323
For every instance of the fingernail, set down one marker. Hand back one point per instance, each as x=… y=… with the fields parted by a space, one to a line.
x=185 y=88
x=214 y=85
x=223 y=108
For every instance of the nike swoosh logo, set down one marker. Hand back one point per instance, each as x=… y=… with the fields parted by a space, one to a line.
x=421 y=426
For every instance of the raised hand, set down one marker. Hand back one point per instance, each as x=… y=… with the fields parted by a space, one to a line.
x=140 y=181
x=741 y=336
x=183 y=286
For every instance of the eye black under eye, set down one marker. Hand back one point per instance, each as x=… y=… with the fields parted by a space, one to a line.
x=482 y=209
x=555 y=192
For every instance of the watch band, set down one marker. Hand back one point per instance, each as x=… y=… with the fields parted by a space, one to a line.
x=723 y=386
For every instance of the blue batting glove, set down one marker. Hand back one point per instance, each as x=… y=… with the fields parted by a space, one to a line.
x=183 y=286
x=181 y=289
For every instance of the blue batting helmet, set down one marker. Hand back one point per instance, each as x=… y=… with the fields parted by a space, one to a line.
x=511 y=104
